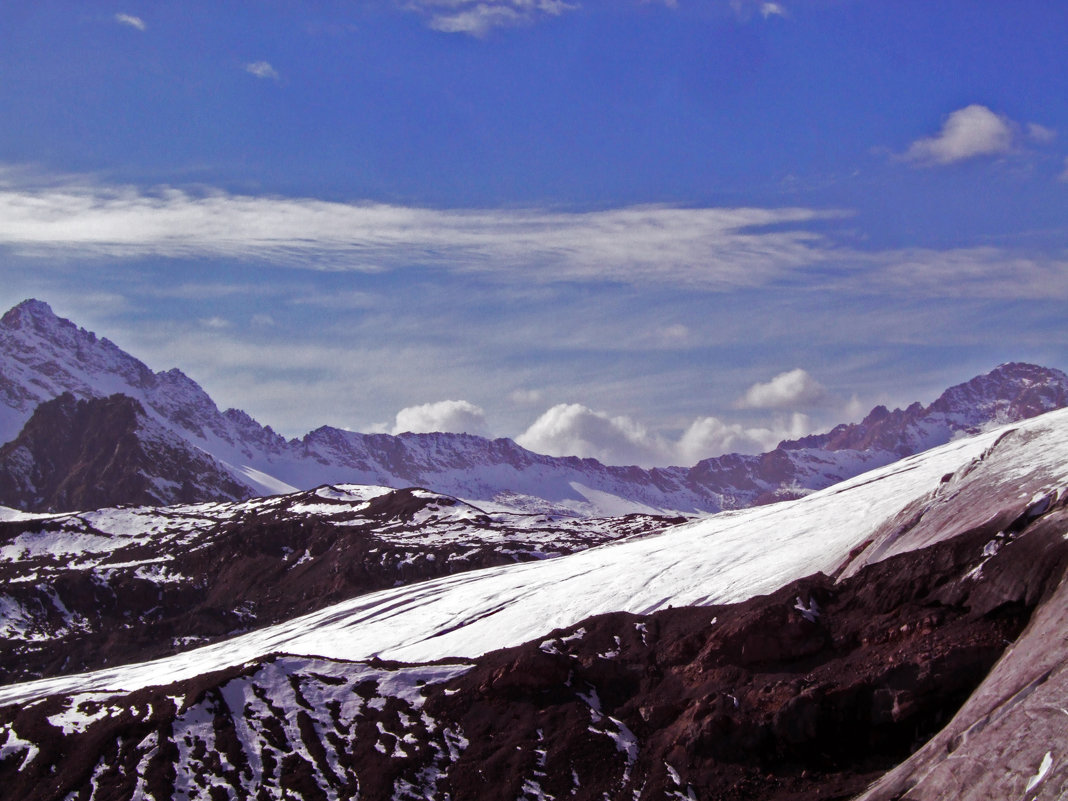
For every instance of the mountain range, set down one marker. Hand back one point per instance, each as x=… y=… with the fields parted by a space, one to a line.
x=86 y=425
x=193 y=607
x=899 y=635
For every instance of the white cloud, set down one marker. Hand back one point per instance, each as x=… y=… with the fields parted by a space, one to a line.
x=216 y=323
x=701 y=249
x=717 y=249
x=479 y=17
x=1040 y=133
x=456 y=416
x=745 y=10
x=709 y=436
x=131 y=21
x=571 y=429
x=978 y=272
x=261 y=69
x=790 y=390
x=855 y=410
x=966 y=133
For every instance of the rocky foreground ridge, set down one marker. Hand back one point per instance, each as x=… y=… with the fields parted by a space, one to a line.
x=90 y=589
x=169 y=443
x=924 y=659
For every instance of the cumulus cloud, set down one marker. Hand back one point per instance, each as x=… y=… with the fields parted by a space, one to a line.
x=971 y=132
x=261 y=69
x=571 y=429
x=131 y=21
x=717 y=249
x=790 y=390
x=455 y=416
x=479 y=17
x=707 y=437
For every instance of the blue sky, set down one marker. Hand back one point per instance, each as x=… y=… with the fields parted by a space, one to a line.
x=639 y=230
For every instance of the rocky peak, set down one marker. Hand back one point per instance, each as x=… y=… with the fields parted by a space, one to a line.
x=30 y=312
x=1015 y=390
x=1010 y=392
x=35 y=319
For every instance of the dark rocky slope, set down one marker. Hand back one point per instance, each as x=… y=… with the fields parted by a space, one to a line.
x=814 y=691
x=87 y=454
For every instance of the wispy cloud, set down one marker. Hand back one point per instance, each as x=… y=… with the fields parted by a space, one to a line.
x=975 y=272
x=714 y=249
x=745 y=10
x=704 y=249
x=131 y=21
x=1040 y=133
x=971 y=132
x=261 y=69
x=479 y=17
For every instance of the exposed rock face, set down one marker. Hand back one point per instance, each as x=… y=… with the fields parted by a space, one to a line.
x=813 y=691
x=43 y=356
x=144 y=583
x=87 y=454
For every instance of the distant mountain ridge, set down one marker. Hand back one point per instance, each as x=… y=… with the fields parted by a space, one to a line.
x=232 y=456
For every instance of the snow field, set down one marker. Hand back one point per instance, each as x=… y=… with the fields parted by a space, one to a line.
x=725 y=558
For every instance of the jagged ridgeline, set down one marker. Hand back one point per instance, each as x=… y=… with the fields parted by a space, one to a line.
x=172 y=444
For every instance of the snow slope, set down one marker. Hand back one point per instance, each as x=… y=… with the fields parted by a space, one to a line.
x=79 y=591
x=721 y=559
